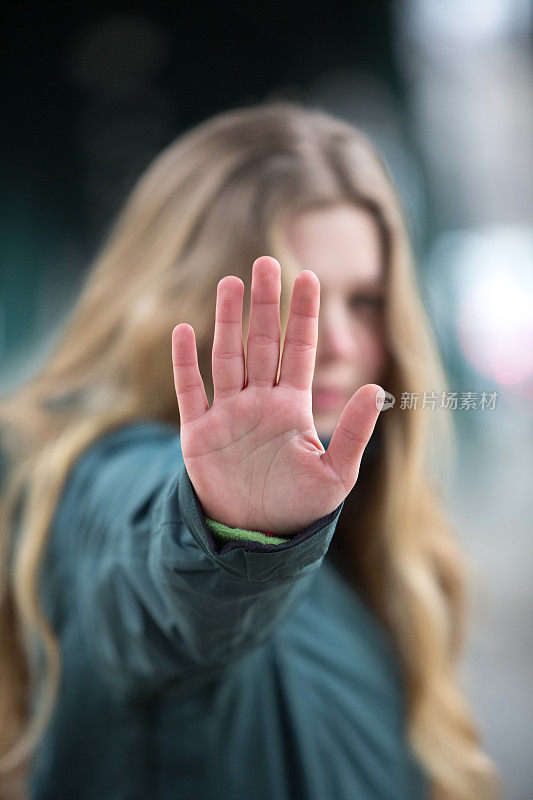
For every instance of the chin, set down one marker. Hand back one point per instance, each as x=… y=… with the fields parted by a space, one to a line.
x=327 y=419
x=325 y=424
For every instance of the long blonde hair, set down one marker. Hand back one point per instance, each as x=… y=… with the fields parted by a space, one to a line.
x=207 y=206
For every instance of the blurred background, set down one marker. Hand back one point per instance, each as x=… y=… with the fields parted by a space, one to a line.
x=445 y=90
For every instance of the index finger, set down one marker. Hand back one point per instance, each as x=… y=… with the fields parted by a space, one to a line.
x=301 y=336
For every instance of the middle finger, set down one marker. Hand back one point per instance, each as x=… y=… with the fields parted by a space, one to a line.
x=262 y=351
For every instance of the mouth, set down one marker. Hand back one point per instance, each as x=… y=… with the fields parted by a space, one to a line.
x=327 y=399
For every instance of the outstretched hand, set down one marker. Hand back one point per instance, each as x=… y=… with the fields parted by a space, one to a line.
x=254 y=457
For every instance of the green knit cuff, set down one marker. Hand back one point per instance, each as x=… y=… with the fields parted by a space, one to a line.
x=228 y=534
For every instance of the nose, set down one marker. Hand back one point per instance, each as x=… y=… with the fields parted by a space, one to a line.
x=335 y=338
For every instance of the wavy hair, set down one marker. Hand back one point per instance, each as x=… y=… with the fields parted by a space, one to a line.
x=209 y=204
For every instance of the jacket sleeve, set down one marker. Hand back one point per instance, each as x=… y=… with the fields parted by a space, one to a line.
x=158 y=600
x=223 y=533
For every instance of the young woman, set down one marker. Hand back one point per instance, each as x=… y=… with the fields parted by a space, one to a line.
x=228 y=574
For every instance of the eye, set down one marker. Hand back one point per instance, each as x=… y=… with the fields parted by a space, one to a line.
x=373 y=302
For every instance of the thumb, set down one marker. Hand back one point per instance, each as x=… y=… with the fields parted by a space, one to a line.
x=353 y=432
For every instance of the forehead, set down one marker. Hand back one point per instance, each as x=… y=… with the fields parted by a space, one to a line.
x=341 y=244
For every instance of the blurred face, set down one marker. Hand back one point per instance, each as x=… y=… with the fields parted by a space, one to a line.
x=342 y=246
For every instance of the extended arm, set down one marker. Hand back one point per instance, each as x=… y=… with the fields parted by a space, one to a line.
x=157 y=598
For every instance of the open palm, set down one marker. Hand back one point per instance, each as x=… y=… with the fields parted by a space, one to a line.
x=254 y=457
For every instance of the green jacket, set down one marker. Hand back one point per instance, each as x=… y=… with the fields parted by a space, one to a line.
x=197 y=668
